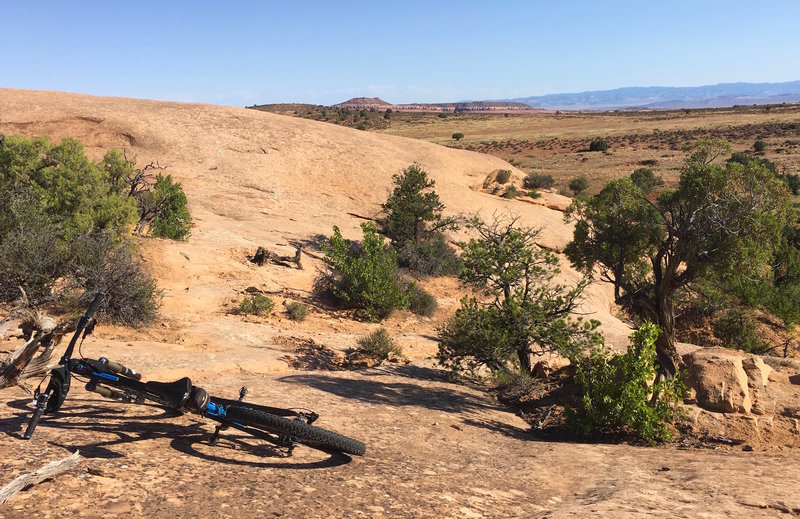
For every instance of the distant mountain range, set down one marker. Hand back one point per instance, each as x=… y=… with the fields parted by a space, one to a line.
x=708 y=96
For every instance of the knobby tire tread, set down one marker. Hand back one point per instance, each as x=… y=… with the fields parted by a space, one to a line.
x=299 y=431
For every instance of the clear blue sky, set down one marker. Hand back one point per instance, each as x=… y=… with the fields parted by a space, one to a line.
x=240 y=53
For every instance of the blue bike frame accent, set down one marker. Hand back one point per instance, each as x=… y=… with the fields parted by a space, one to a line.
x=105 y=376
x=215 y=410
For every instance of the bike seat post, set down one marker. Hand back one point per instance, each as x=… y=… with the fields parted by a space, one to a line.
x=242 y=393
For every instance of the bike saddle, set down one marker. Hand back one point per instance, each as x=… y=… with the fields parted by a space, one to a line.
x=175 y=393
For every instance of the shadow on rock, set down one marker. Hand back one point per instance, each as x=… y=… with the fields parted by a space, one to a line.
x=108 y=428
x=393 y=393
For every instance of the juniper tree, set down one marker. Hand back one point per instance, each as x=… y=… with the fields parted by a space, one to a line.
x=720 y=219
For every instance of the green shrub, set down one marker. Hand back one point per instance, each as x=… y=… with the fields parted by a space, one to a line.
x=646 y=180
x=256 y=304
x=32 y=252
x=598 y=144
x=793 y=181
x=363 y=277
x=379 y=344
x=503 y=176
x=421 y=302
x=759 y=146
x=65 y=225
x=63 y=184
x=737 y=329
x=616 y=395
x=579 y=184
x=172 y=218
x=522 y=311
x=513 y=387
x=99 y=263
x=458 y=136
x=414 y=210
x=297 y=311
x=433 y=257
x=511 y=192
x=537 y=181
x=534 y=194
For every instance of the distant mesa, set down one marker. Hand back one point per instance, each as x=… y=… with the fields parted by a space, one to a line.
x=362 y=103
x=369 y=103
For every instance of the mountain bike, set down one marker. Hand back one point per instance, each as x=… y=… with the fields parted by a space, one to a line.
x=284 y=428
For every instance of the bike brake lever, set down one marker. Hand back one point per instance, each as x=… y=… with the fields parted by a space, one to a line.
x=89 y=327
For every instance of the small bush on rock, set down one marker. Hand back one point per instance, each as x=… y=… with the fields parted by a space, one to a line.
x=421 y=302
x=537 y=181
x=132 y=297
x=256 y=304
x=363 y=277
x=297 y=311
x=433 y=257
x=379 y=344
x=579 y=184
x=511 y=192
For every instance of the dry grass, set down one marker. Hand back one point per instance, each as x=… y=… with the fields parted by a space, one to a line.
x=558 y=143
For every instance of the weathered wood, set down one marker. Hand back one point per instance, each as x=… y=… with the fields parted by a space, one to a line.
x=25 y=363
x=52 y=469
x=262 y=256
x=13 y=367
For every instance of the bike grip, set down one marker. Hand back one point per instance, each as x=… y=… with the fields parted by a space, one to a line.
x=37 y=415
x=95 y=304
x=116 y=367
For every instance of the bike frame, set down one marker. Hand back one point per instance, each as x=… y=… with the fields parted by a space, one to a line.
x=137 y=392
x=128 y=388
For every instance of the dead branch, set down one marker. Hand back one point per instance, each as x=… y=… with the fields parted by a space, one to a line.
x=51 y=470
x=24 y=363
x=262 y=256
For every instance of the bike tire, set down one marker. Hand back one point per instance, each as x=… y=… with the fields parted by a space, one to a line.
x=299 y=431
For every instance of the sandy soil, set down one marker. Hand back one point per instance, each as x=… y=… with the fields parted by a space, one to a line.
x=434 y=448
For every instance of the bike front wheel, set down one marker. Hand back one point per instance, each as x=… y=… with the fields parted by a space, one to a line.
x=299 y=431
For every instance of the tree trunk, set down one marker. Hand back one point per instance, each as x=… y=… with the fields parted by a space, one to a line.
x=666 y=353
x=524 y=360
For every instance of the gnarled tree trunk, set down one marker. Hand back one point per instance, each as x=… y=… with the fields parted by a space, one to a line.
x=666 y=352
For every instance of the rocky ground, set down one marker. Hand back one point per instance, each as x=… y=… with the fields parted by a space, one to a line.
x=434 y=449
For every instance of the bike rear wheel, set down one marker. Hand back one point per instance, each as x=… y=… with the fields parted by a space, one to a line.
x=299 y=431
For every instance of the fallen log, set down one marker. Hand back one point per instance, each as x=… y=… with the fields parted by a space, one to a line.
x=262 y=256
x=52 y=469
